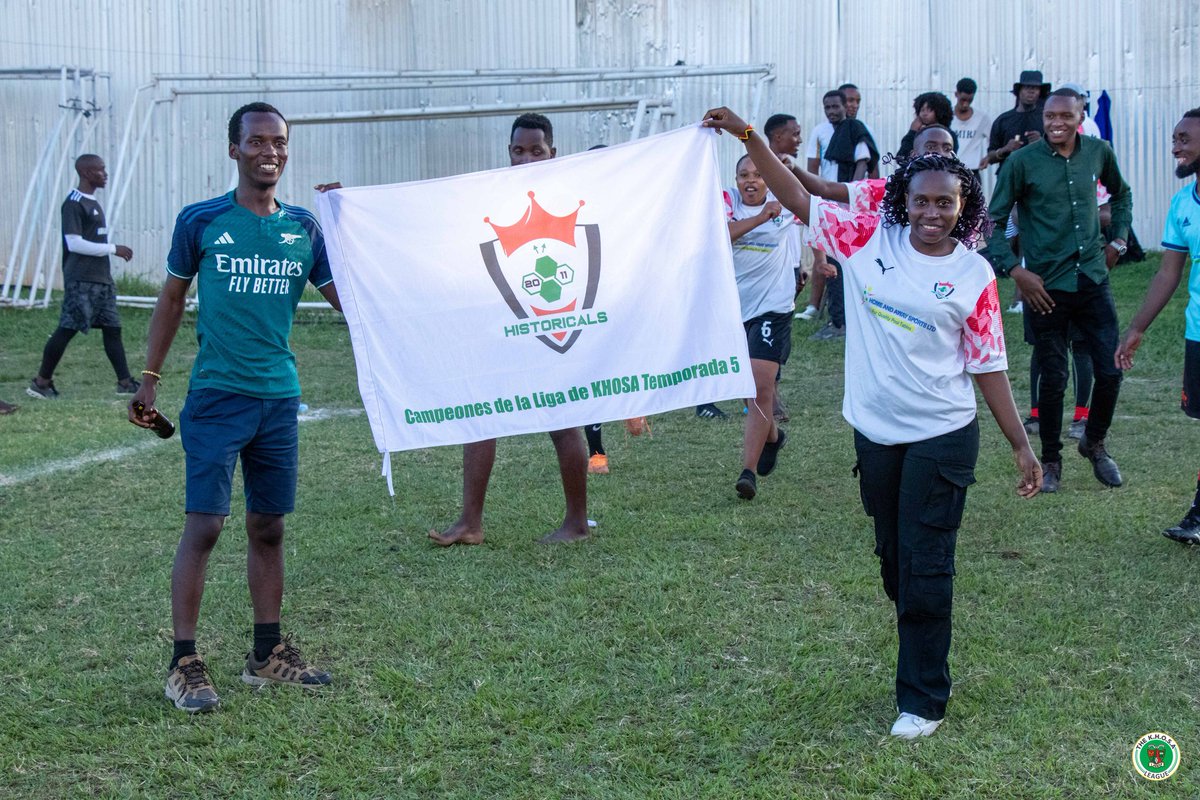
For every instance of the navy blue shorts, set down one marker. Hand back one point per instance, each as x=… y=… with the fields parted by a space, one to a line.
x=218 y=426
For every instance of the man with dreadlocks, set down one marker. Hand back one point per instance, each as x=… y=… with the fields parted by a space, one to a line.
x=927 y=320
x=1181 y=241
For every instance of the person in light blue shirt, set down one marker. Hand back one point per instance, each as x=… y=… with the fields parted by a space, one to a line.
x=1181 y=244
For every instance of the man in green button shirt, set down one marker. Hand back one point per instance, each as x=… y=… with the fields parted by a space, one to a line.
x=1064 y=279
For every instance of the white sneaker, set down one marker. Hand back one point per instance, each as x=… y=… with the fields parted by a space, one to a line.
x=808 y=313
x=910 y=726
x=1017 y=307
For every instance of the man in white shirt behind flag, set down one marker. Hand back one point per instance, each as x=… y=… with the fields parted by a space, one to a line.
x=531 y=139
x=538 y=298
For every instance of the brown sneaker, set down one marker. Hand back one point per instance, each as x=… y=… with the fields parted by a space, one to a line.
x=189 y=688
x=283 y=665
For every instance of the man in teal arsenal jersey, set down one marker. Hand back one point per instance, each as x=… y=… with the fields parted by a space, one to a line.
x=251 y=257
x=1181 y=245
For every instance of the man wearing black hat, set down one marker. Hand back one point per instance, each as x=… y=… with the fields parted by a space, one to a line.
x=1021 y=124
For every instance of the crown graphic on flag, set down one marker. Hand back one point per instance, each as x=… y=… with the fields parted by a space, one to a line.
x=537 y=223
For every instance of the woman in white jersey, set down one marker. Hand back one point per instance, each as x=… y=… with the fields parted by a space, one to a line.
x=923 y=319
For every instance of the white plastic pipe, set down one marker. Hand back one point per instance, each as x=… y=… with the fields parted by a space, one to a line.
x=471 y=110
x=49 y=223
x=34 y=188
x=638 y=72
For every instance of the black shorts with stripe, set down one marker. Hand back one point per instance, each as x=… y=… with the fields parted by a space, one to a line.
x=1190 y=399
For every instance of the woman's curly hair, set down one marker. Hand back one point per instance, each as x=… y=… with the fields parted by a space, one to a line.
x=973 y=225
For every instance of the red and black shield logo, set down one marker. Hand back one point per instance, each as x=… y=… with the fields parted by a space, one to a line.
x=547 y=269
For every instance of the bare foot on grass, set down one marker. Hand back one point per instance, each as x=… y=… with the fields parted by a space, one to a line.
x=567 y=533
x=458 y=533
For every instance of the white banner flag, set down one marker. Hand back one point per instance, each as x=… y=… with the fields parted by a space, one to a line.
x=566 y=292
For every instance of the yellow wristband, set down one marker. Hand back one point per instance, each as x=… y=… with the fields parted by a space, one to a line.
x=151 y=372
x=745 y=137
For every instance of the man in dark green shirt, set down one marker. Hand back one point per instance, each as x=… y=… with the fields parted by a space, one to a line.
x=1064 y=278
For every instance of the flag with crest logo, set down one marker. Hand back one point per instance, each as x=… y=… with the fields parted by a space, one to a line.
x=582 y=289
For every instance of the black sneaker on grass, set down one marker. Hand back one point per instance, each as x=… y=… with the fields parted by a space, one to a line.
x=1103 y=466
x=1188 y=530
x=829 y=332
x=189 y=688
x=1051 y=476
x=284 y=665
x=710 y=411
x=47 y=392
x=128 y=386
x=766 y=459
x=746 y=485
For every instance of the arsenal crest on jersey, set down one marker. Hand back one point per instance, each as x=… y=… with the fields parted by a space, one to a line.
x=547 y=269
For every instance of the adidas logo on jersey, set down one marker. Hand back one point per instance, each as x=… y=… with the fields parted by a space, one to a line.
x=224 y=238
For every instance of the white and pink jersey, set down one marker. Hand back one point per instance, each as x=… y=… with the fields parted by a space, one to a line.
x=917 y=326
x=763 y=259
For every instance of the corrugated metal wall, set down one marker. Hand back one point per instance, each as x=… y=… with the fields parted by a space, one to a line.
x=1144 y=54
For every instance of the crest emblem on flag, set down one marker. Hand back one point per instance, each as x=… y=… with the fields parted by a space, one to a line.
x=547 y=269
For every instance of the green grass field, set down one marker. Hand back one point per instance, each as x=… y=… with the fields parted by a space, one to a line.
x=698 y=646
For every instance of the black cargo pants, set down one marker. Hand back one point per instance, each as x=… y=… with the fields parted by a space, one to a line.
x=915 y=493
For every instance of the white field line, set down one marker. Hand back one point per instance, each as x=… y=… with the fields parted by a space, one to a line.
x=119 y=453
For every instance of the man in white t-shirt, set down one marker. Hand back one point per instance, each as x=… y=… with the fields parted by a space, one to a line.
x=817 y=152
x=761 y=231
x=834 y=165
x=972 y=127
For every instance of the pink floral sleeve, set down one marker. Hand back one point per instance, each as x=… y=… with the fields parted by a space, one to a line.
x=983 y=334
x=840 y=230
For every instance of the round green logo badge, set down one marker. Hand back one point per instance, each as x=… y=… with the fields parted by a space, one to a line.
x=1156 y=756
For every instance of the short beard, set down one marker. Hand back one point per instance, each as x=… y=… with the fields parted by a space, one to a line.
x=1188 y=170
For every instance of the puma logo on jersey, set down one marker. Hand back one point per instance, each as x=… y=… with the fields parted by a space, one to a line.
x=224 y=238
x=882 y=269
x=288 y=238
